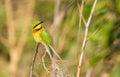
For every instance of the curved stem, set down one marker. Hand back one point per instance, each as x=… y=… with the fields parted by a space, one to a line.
x=33 y=61
x=43 y=62
x=85 y=39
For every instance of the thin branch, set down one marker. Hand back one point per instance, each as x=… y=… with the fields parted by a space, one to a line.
x=56 y=70
x=55 y=66
x=57 y=7
x=85 y=39
x=43 y=62
x=60 y=13
x=35 y=74
x=51 y=58
x=80 y=9
x=93 y=33
x=84 y=20
x=55 y=53
x=89 y=71
x=57 y=13
x=33 y=61
x=90 y=16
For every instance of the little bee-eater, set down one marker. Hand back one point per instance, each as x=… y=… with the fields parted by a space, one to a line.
x=42 y=36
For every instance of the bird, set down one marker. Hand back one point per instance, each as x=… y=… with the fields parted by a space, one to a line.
x=42 y=36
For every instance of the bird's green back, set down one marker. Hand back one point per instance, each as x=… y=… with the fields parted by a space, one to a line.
x=45 y=37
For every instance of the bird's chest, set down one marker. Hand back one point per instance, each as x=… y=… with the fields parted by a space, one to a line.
x=37 y=36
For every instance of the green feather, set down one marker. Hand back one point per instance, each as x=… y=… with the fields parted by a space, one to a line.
x=46 y=37
x=35 y=23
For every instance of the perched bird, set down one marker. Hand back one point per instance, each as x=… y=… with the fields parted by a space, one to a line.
x=42 y=36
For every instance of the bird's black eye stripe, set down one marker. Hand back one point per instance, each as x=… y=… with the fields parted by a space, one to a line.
x=38 y=28
x=38 y=24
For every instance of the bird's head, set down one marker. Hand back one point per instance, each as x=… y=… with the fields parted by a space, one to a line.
x=37 y=25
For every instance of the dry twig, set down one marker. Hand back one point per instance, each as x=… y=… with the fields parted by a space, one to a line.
x=56 y=70
x=85 y=39
x=33 y=61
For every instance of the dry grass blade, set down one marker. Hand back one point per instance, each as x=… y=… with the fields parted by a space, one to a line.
x=43 y=62
x=85 y=39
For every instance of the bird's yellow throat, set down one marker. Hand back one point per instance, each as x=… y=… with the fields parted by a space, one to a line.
x=36 y=33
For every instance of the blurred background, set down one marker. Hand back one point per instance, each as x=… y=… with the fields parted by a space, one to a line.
x=61 y=19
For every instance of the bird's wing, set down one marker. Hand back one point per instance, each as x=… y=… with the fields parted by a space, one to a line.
x=45 y=37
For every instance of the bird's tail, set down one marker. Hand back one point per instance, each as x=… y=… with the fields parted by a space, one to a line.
x=55 y=53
